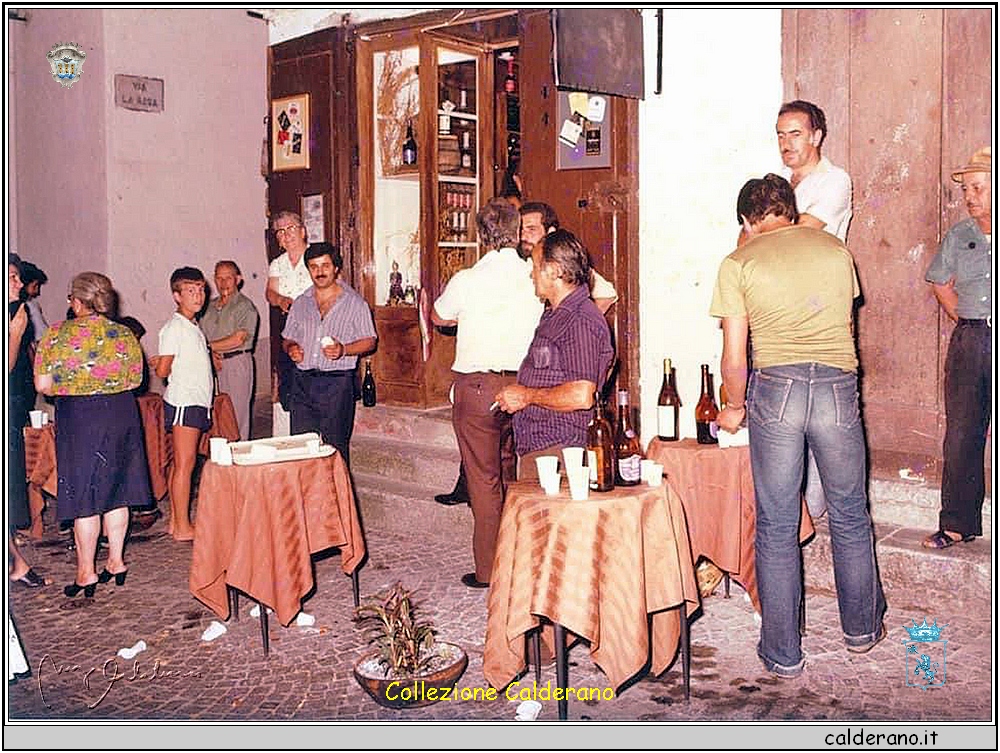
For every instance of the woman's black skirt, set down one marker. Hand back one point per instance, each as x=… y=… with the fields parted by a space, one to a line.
x=100 y=455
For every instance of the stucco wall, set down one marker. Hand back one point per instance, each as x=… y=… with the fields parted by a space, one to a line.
x=137 y=194
x=59 y=144
x=710 y=130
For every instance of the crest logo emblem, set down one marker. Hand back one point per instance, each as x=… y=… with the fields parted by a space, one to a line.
x=66 y=60
x=925 y=655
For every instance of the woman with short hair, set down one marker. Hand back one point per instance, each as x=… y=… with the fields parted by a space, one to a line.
x=90 y=365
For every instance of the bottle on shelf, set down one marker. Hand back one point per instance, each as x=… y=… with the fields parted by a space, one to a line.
x=409 y=146
x=628 y=450
x=706 y=412
x=510 y=81
x=368 y=386
x=668 y=413
x=600 y=450
x=463 y=100
x=465 y=152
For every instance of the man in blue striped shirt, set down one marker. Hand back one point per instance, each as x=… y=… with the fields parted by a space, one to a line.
x=568 y=358
x=328 y=327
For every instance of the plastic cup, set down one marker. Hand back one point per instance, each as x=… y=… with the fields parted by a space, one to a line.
x=219 y=452
x=573 y=457
x=547 y=466
x=579 y=482
x=655 y=477
x=646 y=469
x=36 y=418
x=551 y=485
x=45 y=418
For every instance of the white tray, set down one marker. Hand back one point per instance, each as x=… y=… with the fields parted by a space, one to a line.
x=285 y=448
x=244 y=458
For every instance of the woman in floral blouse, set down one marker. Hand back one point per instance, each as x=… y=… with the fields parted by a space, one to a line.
x=91 y=364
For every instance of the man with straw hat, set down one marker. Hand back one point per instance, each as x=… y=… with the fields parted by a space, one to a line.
x=960 y=274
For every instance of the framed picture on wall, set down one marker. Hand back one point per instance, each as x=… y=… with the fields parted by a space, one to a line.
x=290 y=133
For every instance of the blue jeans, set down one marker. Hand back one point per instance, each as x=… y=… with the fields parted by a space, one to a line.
x=788 y=406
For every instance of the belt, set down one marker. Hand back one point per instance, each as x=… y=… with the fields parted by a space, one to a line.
x=326 y=374
x=987 y=322
x=234 y=353
x=503 y=372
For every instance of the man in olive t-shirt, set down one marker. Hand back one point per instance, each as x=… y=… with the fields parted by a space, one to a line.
x=792 y=287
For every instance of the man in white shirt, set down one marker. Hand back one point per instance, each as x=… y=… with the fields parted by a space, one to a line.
x=823 y=198
x=822 y=190
x=495 y=306
x=287 y=278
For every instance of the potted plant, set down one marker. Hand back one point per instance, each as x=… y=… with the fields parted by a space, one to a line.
x=408 y=667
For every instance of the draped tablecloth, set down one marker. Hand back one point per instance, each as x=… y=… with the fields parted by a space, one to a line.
x=258 y=525
x=40 y=444
x=715 y=485
x=159 y=447
x=40 y=457
x=597 y=567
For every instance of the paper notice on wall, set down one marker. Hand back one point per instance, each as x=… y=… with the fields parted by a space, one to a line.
x=596 y=107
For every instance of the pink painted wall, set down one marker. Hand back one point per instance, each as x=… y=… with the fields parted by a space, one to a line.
x=59 y=143
x=137 y=194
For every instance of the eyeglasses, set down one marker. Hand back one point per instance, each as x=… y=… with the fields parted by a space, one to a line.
x=287 y=229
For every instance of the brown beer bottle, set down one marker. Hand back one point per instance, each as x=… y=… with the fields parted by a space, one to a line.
x=628 y=450
x=706 y=412
x=668 y=407
x=600 y=450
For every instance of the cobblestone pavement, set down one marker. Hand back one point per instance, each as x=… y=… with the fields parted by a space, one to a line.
x=72 y=644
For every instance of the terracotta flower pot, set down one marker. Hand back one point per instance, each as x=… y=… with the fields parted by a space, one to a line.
x=410 y=692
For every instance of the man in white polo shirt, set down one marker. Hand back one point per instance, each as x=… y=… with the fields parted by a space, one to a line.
x=823 y=198
x=496 y=310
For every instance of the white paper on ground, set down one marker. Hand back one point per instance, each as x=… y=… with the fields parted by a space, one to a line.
x=305 y=620
x=213 y=631
x=131 y=652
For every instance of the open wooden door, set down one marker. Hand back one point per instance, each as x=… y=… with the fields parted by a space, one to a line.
x=321 y=66
x=600 y=204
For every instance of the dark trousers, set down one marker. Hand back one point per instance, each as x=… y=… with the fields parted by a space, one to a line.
x=967 y=403
x=324 y=402
x=486 y=441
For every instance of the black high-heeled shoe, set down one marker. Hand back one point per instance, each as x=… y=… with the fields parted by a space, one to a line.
x=106 y=575
x=75 y=588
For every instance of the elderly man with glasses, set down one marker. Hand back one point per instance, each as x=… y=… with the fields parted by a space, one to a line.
x=287 y=278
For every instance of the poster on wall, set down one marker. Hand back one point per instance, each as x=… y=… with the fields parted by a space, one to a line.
x=312 y=218
x=290 y=133
x=584 y=136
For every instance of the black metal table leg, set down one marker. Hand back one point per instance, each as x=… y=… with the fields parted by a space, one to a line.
x=356 y=587
x=686 y=650
x=562 y=668
x=263 y=629
x=536 y=653
x=234 y=603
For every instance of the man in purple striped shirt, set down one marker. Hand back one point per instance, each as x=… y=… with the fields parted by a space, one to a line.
x=328 y=327
x=568 y=358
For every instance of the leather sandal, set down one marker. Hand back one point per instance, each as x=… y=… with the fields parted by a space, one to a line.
x=31 y=579
x=941 y=540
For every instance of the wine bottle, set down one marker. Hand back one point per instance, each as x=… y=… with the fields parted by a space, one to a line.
x=628 y=451
x=510 y=81
x=706 y=412
x=668 y=413
x=368 y=386
x=409 y=146
x=465 y=152
x=600 y=450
